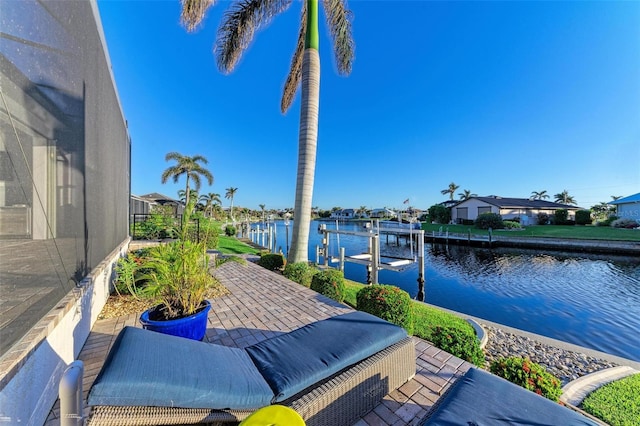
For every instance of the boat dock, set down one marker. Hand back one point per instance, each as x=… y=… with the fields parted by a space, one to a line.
x=492 y=241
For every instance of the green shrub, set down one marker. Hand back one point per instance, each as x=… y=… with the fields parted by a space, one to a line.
x=560 y=217
x=512 y=224
x=625 y=223
x=583 y=217
x=300 y=272
x=458 y=342
x=130 y=272
x=126 y=268
x=387 y=302
x=160 y=224
x=542 y=219
x=230 y=230
x=608 y=221
x=489 y=220
x=439 y=214
x=272 y=261
x=523 y=372
x=329 y=282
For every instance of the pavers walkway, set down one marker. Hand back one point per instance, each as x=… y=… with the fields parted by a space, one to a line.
x=263 y=304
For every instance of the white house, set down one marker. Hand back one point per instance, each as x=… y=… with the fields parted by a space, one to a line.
x=343 y=214
x=380 y=213
x=509 y=208
x=628 y=207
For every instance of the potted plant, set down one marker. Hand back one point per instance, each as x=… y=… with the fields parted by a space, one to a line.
x=176 y=277
x=178 y=281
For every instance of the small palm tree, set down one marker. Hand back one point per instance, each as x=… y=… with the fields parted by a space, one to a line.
x=450 y=190
x=209 y=200
x=539 y=195
x=262 y=206
x=466 y=194
x=236 y=32
x=362 y=211
x=565 y=198
x=190 y=167
x=231 y=192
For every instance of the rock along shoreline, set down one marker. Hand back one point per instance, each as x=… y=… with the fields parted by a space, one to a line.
x=564 y=364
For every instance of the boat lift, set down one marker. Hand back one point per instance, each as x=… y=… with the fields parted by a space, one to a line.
x=372 y=259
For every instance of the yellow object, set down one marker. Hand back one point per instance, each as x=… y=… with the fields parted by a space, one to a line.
x=274 y=415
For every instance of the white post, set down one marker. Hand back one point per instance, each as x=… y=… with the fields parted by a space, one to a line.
x=341 y=259
x=375 y=259
x=325 y=243
x=70 y=394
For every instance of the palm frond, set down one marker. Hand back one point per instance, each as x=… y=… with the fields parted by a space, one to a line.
x=197 y=158
x=173 y=156
x=195 y=178
x=292 y=83
x=238 y=28
x=339 y=23
x=193 y=12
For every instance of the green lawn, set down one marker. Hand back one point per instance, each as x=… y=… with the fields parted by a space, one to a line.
x=548 y=231
x=617 y=403
x=232 y=245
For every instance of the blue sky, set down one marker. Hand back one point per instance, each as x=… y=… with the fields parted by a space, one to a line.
x=502 y=98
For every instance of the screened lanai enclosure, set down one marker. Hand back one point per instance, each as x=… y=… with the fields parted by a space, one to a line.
x=64 y=157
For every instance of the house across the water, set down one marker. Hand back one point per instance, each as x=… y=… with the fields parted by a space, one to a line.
x=525 y=209
x=628 y=207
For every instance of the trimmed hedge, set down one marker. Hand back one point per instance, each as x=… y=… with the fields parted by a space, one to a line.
x=300 y=272
x=230 y=231
x=489 y=220
x=459 y=343
x=329 y=282
x=583 y=217
x=272 y=261
x=387 y=302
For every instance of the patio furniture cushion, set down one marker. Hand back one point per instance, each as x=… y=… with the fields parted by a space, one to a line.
x=294 y=361
x=145 y=368
x=481 y=398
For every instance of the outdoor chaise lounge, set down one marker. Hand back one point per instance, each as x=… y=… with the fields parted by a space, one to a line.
x=481 y=398
x=331 y=372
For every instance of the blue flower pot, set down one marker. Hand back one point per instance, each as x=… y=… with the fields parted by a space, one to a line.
x=192 y=327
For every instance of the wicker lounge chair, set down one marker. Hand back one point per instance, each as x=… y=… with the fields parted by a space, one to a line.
x=331 y=372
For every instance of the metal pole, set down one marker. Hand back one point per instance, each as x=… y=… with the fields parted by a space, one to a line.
x=421 y=266
x=341 y=259
x=70 y=393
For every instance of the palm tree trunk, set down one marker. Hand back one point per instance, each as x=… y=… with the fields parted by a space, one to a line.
x=307 y=144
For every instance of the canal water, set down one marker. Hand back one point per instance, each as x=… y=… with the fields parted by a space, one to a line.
x=588 y=300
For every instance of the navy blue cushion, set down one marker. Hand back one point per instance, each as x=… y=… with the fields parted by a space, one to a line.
x=294 y=361
x=152 y=369
x=481 y=398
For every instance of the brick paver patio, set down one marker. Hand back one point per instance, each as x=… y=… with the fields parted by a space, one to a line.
x=263 y=304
